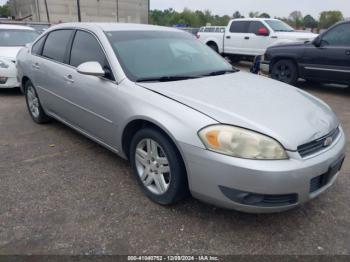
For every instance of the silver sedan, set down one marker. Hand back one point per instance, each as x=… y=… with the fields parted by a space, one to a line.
x=188 y=122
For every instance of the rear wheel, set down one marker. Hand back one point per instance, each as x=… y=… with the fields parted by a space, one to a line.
x=285 y=71
x=158 y=167
x=33 y=104
x=214 y=47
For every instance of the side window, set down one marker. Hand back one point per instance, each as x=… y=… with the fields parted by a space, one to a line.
x=38 y=46
x=239 y=27
x=338 y=36
x=56 y=45
x=86 y=48
x=255 y=26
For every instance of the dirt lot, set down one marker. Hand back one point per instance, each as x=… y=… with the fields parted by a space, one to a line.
x=60 y=193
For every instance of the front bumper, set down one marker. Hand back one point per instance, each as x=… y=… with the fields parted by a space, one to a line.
x=11 y=82
x=210 y=174
x=10 y=74
x=265 y=67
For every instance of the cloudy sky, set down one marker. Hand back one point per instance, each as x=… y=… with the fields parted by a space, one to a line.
x=273 y=7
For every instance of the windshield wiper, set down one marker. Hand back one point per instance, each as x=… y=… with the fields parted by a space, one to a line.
x=164 y=78
x=221 y=72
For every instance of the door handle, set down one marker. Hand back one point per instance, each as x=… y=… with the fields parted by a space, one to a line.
x=36 y=66
x=228 y=37
x=247 y=38
x=347 y=52
x=69 y=78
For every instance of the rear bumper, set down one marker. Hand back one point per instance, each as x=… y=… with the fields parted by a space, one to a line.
x=217 y=179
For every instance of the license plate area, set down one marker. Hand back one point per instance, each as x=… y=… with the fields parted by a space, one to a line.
x=320 y=181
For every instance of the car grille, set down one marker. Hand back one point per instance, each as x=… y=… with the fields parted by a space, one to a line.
x=317 y=145
x=320 y=181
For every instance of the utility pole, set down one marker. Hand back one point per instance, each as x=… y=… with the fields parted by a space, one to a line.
x=38 y=10
x=79 y=12
x=117 y=11
x=47 y=12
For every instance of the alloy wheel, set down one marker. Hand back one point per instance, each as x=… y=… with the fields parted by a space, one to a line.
x=33 y=102
x=282 y=73
x=152 y=166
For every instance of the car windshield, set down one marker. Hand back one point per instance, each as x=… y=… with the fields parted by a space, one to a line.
x=279 y=26
x=165 y=56
x=16 y=37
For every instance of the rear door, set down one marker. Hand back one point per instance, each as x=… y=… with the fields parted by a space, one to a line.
x=331 y=60
x=237 y=37
x=50 y=68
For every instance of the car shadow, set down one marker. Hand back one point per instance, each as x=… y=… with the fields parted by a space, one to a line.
x=325 y=88
x=10 y=92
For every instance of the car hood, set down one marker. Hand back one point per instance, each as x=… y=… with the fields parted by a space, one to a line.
x=9 y=52
x=296 y=36
x=283 y=112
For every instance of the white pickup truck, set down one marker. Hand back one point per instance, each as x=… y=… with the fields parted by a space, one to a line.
x=247 y=37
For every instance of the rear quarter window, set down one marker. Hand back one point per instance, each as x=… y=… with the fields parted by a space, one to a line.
x=38 y=46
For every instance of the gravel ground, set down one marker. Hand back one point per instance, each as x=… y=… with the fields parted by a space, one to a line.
x=60 y=193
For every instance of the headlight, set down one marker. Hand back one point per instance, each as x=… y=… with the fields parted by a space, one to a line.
x=242 y=143
x=3 y=64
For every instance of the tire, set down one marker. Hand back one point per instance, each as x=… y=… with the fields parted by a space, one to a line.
x=235 y=59
x=285 y=71
x=33 y=104
x=214 y=47
x=159 y=185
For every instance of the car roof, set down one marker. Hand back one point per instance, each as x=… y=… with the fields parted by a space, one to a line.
x=114 y=27
x=255 y=19
x=15 y=27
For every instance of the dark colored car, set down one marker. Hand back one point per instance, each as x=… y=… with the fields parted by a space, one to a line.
x=192 y=31
x=325 y=59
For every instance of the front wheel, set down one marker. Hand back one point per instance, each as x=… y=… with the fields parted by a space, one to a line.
x=285 y=71
x=158 y=167
x=33 y=104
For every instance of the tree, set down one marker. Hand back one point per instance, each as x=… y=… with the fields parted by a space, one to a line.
x=329 y=18
x=264 y=15
x=170 y=17
x=253 y=14
x=296 y=19
x=237 y=14
x=5 y=10
x=310 y=22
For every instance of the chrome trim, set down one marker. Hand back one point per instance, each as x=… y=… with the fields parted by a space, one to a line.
x=326 y=69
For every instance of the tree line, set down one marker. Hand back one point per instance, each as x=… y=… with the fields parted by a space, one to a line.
x=171 y=17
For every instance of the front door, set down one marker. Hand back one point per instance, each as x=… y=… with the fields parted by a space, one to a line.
x=93 y=99
x=330 y=61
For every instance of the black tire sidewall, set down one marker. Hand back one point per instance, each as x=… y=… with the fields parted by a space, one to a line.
x=42 y=118
x=178 y=188
x=292 y=67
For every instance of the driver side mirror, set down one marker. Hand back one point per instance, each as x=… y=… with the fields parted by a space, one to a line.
x=318 y=41
x=262 y=31
x=91 y=69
